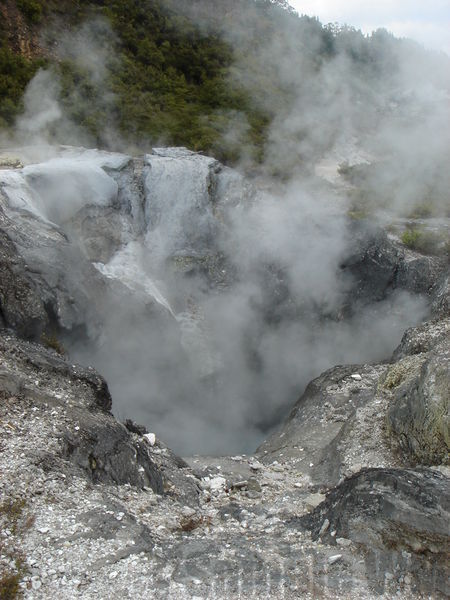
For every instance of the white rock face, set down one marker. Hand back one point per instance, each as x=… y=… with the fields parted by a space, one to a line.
x=128 y=266
x=178 y=209
x=57 y=189
x=84 y=184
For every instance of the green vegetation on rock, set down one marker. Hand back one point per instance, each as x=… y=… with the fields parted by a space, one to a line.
x=426 y=242
x=31 y=9
x=15 y=73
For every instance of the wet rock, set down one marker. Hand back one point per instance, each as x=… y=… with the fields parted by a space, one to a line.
x=22 y=298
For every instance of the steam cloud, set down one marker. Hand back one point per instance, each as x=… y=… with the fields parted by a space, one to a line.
x=212 y=371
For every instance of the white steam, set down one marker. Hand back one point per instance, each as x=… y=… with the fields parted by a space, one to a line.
x=224 y=302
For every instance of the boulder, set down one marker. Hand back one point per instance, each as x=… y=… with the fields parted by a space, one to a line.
x=418 y=417
x=380 y=263
x=399 y=516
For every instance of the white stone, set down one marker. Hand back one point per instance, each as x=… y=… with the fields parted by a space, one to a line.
x=151 y=438
x=314 y=500
x=356 y=376
x=255 y=466
x=36 y=583
x=217 y=484
x=343 y=541
x=334 y=558
x=324 y=527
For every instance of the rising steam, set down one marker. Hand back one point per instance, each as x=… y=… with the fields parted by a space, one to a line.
x=226 y=297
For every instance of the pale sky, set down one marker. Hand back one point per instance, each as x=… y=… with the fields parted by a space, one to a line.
x=426 y=21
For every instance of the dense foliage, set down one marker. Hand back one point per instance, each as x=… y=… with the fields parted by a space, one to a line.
x=166 y=80
x=213 y=76
x=15 y=73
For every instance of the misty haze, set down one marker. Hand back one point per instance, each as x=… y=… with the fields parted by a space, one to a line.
x=224 y=300
x=209 y=296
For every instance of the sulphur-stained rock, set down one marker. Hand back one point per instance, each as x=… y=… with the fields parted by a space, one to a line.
x=398 y=516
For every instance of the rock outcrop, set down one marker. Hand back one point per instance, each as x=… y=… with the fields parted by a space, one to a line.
x=88 y=505
x=418 y=418
x=78 y=404
x=369 y=430
x=399 y=516
x=380 y=263
x=353 y=416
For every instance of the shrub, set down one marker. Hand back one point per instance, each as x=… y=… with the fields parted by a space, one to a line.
x=49 y=340
x=426 y=242
x=31 y=9
x=9 y=586
x=422 y=211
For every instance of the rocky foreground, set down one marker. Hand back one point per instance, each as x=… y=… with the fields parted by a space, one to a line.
x=91 y=507
x=349 y=499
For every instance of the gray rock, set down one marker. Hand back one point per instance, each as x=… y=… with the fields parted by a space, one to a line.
x=392 y=513
x=44 y=375
x=380 y=264
x=320 y=420
x=91 y=438
x=419 y=415
x=422 y=338
x=441 y=296
x=22 y=301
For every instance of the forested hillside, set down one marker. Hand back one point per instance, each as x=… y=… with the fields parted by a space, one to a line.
x=216 y=77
